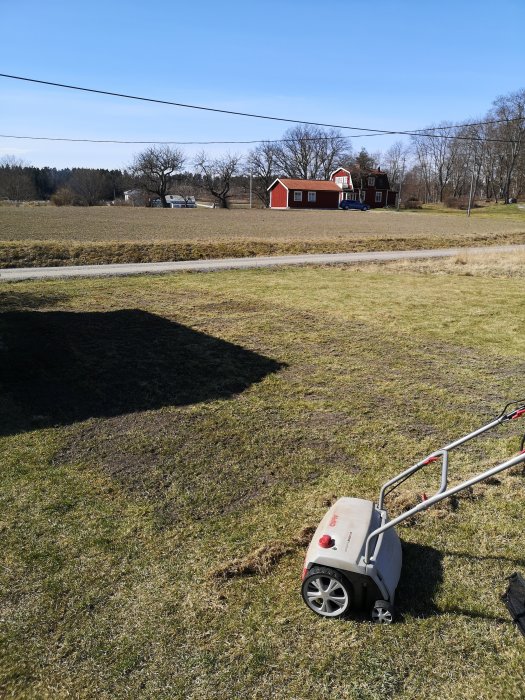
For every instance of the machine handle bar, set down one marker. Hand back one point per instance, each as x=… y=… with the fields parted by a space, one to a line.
x=434 y=456
x=518 y=459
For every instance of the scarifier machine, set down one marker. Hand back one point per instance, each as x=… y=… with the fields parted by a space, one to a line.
x=354 y=559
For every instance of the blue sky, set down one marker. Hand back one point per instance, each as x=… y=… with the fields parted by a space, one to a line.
x=384 y=65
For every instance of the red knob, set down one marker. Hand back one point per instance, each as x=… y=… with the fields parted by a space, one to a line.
x=326 y=541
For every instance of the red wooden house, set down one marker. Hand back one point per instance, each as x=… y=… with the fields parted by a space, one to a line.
x=371 y=188
x=289 y=193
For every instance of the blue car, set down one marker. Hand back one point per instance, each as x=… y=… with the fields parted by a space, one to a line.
x=353 y=204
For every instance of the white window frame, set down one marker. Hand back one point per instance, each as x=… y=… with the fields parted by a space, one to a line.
x=312 y=197
x=379 y=197
x=352 y=196
x=371 y=181
x=297 y=196
x=362 y=196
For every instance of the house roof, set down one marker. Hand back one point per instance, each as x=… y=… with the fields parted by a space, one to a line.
x=294 y=184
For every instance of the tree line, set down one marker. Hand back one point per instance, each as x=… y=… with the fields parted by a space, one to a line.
x=487 y=157
x=482 y=158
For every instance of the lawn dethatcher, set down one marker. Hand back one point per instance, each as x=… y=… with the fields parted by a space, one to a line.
x=354 y=559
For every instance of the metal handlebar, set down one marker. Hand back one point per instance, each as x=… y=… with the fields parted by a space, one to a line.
x=442 y=493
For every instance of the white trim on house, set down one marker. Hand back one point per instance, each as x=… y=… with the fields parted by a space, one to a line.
x=312 y=196
x=297 y=198
x=379 y=197
x=277 y=179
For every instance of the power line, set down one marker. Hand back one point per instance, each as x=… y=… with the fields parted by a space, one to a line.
x=187 y=106
x=246 y=143
x=177 y=143
x=413 y=132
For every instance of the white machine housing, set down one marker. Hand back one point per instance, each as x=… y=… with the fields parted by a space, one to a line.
x=348 y=524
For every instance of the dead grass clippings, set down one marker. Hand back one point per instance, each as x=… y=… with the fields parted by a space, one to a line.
x=263 y=559
x=399 y=503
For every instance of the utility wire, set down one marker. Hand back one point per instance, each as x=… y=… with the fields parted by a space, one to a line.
x=249 y=142
x=252 y=142
x=178 y=143
x=187 y=106
x=414 y=132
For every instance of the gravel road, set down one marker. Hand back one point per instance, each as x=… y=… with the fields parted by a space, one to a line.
x=27 y=273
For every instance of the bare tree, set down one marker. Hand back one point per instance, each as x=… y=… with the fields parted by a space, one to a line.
x=510 y=110
x=437 y=156
x=395 y=160
x=311 y=153
x=156 y=168
x=217 y=175
x=263 y=165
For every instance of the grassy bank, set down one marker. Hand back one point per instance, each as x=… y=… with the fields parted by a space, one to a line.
x=157 y=430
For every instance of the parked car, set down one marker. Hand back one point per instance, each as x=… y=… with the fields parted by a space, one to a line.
x=353 y=204
x=175 y=202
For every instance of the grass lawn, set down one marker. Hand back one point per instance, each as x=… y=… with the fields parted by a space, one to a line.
x=159 y=429
x=37 y=236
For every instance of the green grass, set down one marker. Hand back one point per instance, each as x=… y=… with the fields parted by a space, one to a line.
x=159 y=428
x=500 y=211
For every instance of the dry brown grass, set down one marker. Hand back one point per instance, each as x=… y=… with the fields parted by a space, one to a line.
x=497 y=265
x=263 y=559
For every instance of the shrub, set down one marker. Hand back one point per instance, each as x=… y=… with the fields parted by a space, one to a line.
x=63 y=197
x=412 y=203
x=459 y=203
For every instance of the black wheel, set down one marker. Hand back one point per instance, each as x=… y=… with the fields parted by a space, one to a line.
x=327 y=592
x=382 y=613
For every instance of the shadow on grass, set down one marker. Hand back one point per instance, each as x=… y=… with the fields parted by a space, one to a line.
x=421 y=577
x=61 y=367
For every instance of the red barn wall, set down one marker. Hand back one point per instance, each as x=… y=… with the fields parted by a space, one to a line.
x=279 y=196
x=326 y=199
